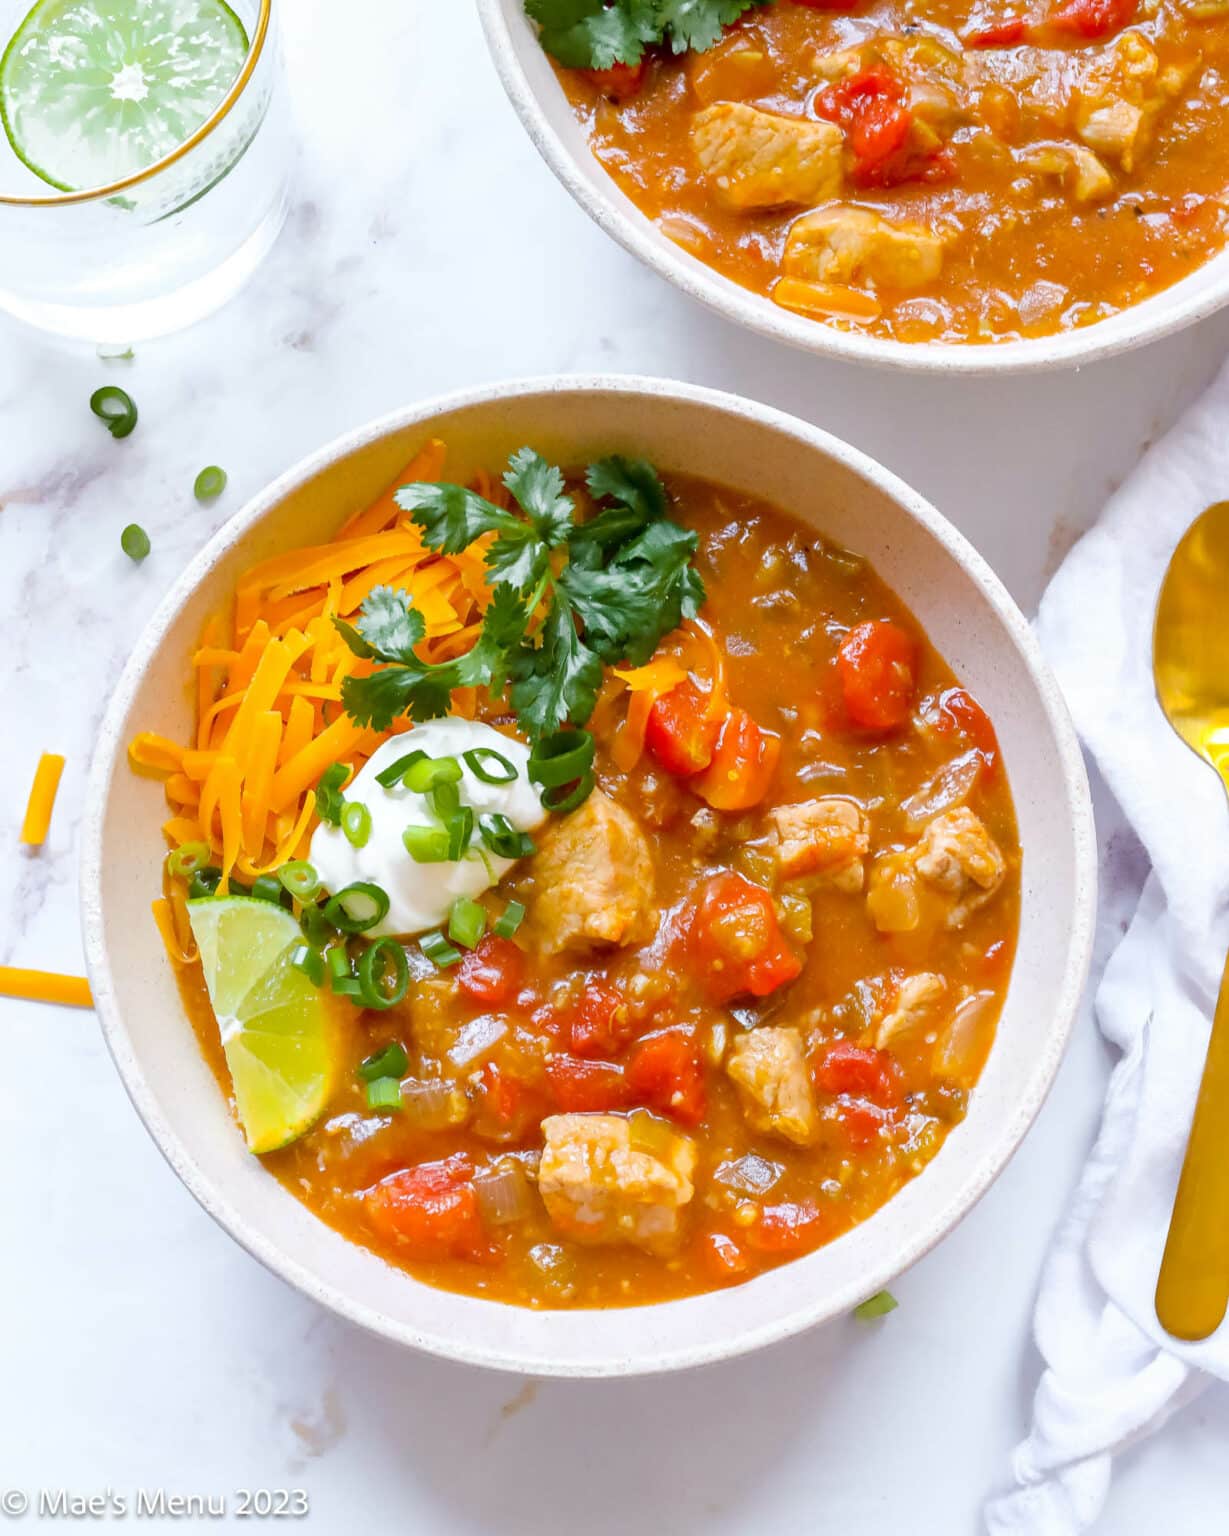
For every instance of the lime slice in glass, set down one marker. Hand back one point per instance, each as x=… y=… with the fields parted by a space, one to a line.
x=93 y=91
x=279 y=1032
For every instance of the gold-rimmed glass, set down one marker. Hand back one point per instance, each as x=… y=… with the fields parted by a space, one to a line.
x=160 y=249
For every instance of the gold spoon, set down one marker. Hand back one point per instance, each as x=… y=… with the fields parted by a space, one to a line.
x=1190 y=659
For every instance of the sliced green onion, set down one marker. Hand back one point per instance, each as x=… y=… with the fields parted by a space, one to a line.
x=392 y=1061
x=341 y=977
x=357 y=907
x=512 y=918
x=383 y=974
x=300 y=879
x=445 y=799
x=210 y=483
x=478 y=761
x=267 y=888
x=134 y=541
x=438 y=950
x=466 y=922
x=878 y=1305
x=460 y=829
x=316 y=927
x=115 y=408
x=237 y=888
x=356 y=823
x=205 y=882
x=561 y=799
x=561 y=759
x=426 y=845
x=184 y=862
x=427 y=772
x=384 y=1093
x=310 y=961
x=502 y=838
x=329 y=803
x=397 y=771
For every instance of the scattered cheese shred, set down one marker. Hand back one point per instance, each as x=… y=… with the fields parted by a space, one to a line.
x=45 y=987
x=268 y=686
x=42 y=799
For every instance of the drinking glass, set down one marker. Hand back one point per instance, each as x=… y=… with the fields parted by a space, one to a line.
x=162 y=248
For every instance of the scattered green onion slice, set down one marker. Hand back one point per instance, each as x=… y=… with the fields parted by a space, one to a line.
x=478 y=761
x=511 y=919
x=878 y=1305
x=561 y=798
x=115 y=408
x=134 y=541
x=309 y=960
x=466 y=922
x=300 y=879
x=502 y=838
x=237 y=888
x=267 y=888
x=438 y=950
x=396 y=771
x=427 y=772
x=357 y=907
x=184 y=862
x=384 y=1093
x=561 y=759
x=392 y=1061
x=316 y=927
x=460 y=829
x=356 y=823
x=383 y=974
x=205 y=882
x=329 y=803
x=341 y=977
x=210 y=483
x=445 y=799
x=426 y=845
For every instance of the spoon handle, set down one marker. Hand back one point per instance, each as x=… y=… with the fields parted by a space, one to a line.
x=1192 y=1291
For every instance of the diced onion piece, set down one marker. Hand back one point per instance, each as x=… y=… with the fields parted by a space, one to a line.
x=651 y=1135
x=808 y=298
x=948 y=788
x=476 y=1039
x=715 y=1045
x=963 y=1046
x=503 y=1194
x=433 y=1104
x=754 y=1175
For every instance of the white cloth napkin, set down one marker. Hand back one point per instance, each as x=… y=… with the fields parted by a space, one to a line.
x=1111 y=1373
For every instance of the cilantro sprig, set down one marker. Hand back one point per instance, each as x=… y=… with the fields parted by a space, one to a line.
x=568 y=598
x=597 y=34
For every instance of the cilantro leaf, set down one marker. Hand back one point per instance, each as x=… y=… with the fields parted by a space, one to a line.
x=643 y=593
x=559 y=681
x=452 y=517
x=389 y=627
x=590 y=34
x=633 y=482
x=699 y=24
x=539 y=491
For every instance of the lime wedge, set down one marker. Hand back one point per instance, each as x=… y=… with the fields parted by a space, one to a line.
x=93 y=91
x=279 y=1031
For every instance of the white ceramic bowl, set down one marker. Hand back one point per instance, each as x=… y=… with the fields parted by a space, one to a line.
x=535 y=92
x=971 y=619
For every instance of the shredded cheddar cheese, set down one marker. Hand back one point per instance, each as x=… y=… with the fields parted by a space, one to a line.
x=37 y=822
x=45 y=987
x=268 y=687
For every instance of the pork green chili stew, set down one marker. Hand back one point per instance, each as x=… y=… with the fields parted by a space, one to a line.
x=589 y=889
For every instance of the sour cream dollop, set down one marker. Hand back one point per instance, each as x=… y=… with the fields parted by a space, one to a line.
x=420 y=895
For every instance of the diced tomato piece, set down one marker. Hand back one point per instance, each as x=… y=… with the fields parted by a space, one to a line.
x=960 y=711
x=878 y=670
x=492 y=973
x=505 y=1108
x=743 y=765
x=861 y=1121
x=872 y=107
x=786 y=1228
x=600 y=1024
x=997 y=34
x=680 y=733
x=620 y=82
x=722 y=1257
x=1088 y=19
x=586 y=1086
x=431 y=1211
x=665 y=1073
x=861 y=1070
x=734 y=940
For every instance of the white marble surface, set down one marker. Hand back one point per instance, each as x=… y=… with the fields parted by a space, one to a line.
x=429 y=249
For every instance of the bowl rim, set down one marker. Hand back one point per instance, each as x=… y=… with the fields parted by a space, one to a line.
x=110 y=756
x=1183 y=303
